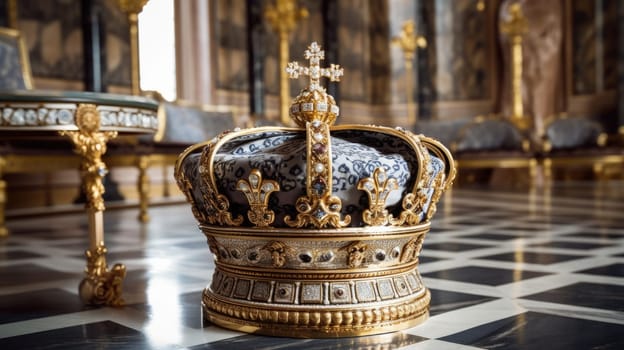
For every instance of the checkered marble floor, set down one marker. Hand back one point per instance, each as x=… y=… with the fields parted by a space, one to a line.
x=506 y=269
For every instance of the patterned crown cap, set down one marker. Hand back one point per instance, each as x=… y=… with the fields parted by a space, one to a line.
x=317 y=175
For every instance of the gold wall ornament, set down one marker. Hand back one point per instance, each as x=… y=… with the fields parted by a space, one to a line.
x=516 y=28
x=132 y=8
x=283 y=16
x=257 y=192
x=409 y=42
x=377 y=187
x=101 y=286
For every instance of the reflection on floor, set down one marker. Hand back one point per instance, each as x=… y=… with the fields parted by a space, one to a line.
x=511 y=270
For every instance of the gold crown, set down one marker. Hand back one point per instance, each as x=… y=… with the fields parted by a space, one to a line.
x=316 y=229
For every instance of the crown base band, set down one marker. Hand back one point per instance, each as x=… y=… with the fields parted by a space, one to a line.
x=316 y=309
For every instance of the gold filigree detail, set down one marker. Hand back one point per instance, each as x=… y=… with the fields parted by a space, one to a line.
x=355 y=253
x=186 y=187
x=90 y=143
x=319 y=213
x=356 y=321
x=216 y=248
x=101 y=286
x=414 y=203
x=438 y=189
x=217 y=205
x=413 y=206
x=411 y=249
x=257 y=192
x=318 y=208
x=378 y=187
x=278 y=252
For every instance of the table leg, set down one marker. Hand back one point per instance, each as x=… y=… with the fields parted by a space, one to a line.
x=100 y=286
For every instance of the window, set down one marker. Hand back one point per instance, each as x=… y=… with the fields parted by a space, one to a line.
x=157 y=48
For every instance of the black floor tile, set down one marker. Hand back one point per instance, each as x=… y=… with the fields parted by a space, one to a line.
x=614 y=270
x=18 y=255
x=483 y=275
x=14 y=275
x=101 y=336
x=532 y=330
x=453 y=246
x=532 y=257
x=444 y=301
x=41 y=303
x=572 y=245
x=595 y=295
x=596 y=235
x=428 y=259
x=496 y=236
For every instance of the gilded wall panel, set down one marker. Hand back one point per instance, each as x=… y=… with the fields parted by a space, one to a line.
x=53 y=33
x=460 y=52
x=584 y=34
x=610 y=45
x=354 y=43
x=231 y=33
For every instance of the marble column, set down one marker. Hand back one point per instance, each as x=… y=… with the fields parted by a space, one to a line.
x=424 y=89
x=620 y=68
x=541 y=84
x=94 y=52
x=330 y=40
x=255 y=58
x=194 y=44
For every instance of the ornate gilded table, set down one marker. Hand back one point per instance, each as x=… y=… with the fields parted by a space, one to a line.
x=89 y=120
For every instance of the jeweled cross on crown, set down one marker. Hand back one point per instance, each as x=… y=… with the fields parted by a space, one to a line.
x=315 y=72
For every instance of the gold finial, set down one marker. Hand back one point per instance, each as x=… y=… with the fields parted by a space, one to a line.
x=313 y=103
x=409 y=41
x=284 y=15
x=517 y=24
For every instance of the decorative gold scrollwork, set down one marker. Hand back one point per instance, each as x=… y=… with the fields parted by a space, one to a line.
x=438 y=189
x=217 y=205
x=411 y=249
x=257 y=192
x=413 y=204
x=356 y=253
x=278 y=252
x=378 y=187
x=101 y=286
